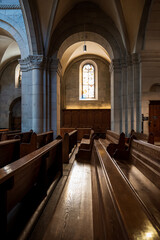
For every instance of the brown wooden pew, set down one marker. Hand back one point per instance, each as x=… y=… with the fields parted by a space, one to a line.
x=9 y=151
x=7 y=131
x=80 y=132
x=36 y=141
x=118 y=212
x=146 y=157
x=85 y=148
x=24 y=136
x=144 y=137
x=24 y=182
x=69 y=142
x=143 y=155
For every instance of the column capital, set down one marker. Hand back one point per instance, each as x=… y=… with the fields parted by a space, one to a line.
x=115 y=65
x=37 y=61
x=32 y=62
x=135 y=58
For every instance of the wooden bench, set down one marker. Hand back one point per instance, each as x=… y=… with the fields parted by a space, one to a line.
x=85 y=148
x=143 y=155
x=80 y=132
x=24 y=182
x=146 y=157
x=144 y=137
x=36 y=141
x=7 y=131
x=118 y=213
x=9 y=151
x=24 y=136
x=69 y=142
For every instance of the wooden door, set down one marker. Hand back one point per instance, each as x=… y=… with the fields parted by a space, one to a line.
x=154 y=119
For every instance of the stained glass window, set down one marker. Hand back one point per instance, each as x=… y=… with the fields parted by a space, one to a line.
x=88 y=82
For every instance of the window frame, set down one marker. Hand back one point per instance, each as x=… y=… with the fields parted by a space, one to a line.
x=85 y=62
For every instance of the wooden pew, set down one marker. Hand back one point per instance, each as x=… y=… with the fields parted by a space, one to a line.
x=24 y=136
x=69 y=141
x=36 y=141
x=80 y=134
x=86 y=140
x=143 y=155
x=85 y=148
x=117 y=211
x=144 y=137
x=146 y=157
x=24 y=182
x=7 y=131
x=9 y=151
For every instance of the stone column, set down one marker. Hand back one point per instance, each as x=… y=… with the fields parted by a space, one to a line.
x=26 y=95
x=130 y=94
x=125 y=97
x=137 y=92
x=55 y=71
x=37 y=92
x=116 y=96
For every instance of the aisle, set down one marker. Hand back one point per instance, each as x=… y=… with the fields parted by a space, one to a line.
x=73 y=215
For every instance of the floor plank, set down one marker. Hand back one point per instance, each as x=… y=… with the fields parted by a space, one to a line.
x=73 y=216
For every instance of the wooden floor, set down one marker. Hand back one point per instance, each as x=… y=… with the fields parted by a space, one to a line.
x=72 y=217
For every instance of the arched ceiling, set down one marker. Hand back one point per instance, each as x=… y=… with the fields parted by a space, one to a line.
x=76 y=50
x=8 y=47
x=126 y=15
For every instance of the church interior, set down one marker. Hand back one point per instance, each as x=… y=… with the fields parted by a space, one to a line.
x=79 y=119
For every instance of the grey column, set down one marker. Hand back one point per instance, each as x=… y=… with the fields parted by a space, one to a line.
x=125 y=97
x=130 y=95
x=116 y=96
x=37 y=93
x=26 y=95
x=55 y=71
x=137 y=92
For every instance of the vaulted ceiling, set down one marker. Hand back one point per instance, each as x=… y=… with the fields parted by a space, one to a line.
x=8 y=47
x=126 y=15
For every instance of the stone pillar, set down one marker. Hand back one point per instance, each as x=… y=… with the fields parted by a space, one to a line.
x=137 y=92
x=125 y=97
x=116 y=96
x=55 y=71
x=37 y=93
x=130 y=94
x=26 y=95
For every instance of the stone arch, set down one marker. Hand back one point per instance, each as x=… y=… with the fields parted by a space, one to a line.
x=155 y=87
x=16 y=32
x=79 y=17
x=143 y=25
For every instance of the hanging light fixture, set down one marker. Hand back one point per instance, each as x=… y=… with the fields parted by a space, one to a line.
x=84 y=46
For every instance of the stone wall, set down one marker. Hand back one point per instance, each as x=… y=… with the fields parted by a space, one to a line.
x=71 y=85
x=8 y=93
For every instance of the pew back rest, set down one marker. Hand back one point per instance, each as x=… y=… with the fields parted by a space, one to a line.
x=113 y=137
x=23 y=136
x=146 y=157
x=9 y=151
x=44 y=138
x=21 y=176
x=72 y=140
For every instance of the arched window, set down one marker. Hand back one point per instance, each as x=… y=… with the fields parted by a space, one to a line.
x=88 y=81
x=18 y=76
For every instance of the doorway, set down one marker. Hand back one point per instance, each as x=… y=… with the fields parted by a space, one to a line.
x=15 y=114
x=154 y=119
